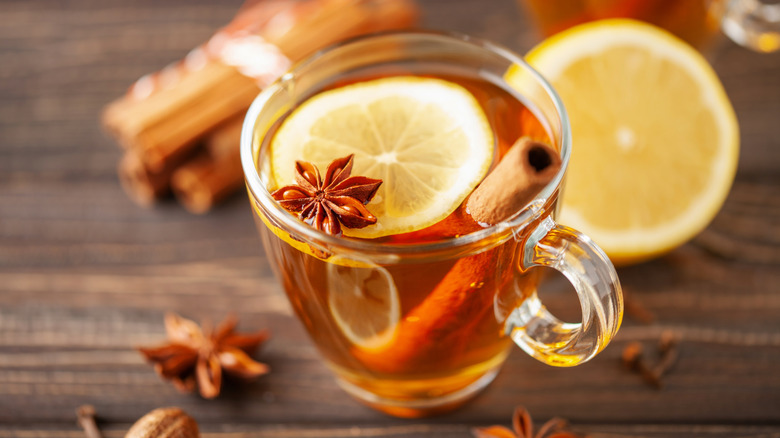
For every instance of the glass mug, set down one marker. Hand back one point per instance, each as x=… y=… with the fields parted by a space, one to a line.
x=451 y=308
x=754 y=24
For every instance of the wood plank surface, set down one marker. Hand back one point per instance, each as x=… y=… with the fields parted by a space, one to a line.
x=85 y=275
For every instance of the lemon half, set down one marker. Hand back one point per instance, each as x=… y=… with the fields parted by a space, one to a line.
x=655 y=138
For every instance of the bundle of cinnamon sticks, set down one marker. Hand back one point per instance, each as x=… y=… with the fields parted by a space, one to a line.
x=180 y=127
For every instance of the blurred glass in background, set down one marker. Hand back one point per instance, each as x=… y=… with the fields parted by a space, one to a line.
x=751 y=23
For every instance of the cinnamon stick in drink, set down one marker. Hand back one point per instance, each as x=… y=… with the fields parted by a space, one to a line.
x=525 y=169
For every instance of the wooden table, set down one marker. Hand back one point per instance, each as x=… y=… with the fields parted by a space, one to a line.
x=85 y=275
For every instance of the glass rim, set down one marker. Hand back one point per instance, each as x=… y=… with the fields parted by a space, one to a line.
x=528 y=213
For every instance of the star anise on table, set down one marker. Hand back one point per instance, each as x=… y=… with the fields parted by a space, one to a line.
x=194 y=357
x=524 y=428
x=329 y=203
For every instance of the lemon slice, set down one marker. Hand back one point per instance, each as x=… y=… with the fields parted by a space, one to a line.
x=427 y=139
x=364 y=304
x=655 y=138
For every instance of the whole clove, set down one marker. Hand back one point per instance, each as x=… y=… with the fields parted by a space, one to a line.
x=86 y=419
x=667 y=347
x=633 y=358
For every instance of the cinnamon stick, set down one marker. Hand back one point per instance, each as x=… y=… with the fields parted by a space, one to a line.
x=430 y=329
x=220 y=149
x=225 y=141
x=149 y=102
x=163 y=124
x=523 y=171
x=141 y=184
x=175 y=136
x=212 y=175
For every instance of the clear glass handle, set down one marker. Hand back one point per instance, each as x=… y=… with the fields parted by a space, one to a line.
x=754 y=24
x=542 y=335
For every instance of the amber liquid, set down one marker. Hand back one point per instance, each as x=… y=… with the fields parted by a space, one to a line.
x=450 y=333
x=695 y=21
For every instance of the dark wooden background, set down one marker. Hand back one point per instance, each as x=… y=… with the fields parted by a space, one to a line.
x=85 y=275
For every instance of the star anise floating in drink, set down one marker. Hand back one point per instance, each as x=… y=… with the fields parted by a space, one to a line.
x=195 y=357
x=524 y=428
x=327 y=204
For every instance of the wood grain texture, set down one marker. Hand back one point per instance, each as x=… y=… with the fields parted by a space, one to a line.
x=85 y=275
x=420 y=430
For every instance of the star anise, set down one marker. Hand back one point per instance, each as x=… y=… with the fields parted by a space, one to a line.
x=200 y=356
x=329 y=203
x=524 y=428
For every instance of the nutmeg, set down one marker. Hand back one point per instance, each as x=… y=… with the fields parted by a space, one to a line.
x=164 y=423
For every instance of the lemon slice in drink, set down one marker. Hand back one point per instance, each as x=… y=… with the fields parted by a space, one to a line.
x=655 y=138
x=427 y=139
x=364 y=303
